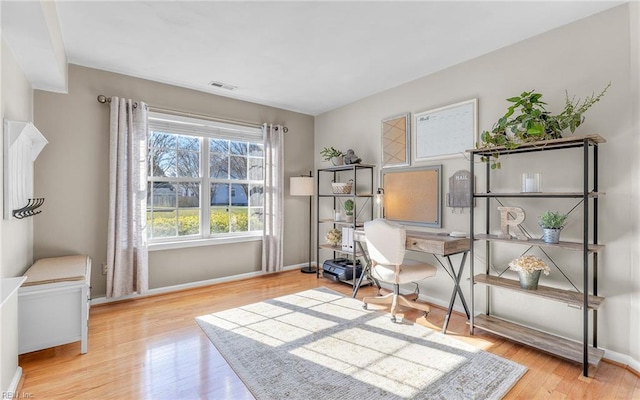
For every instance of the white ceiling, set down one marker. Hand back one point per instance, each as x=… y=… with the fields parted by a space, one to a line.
x=303 y=56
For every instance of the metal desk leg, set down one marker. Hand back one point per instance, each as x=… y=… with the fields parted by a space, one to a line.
x=365 y=270
x=458 y=279
x=456 y=290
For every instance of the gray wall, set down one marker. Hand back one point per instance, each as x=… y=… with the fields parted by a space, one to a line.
x=72 y=173
x=582 y=58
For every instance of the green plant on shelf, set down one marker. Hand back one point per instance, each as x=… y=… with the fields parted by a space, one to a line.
x=348 y=207
x=552 y=220
x=527 y=120
x=328 y=153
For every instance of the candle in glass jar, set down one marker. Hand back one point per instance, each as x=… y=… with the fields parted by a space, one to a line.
x=531 y=182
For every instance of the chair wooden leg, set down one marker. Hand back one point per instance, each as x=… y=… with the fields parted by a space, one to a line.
x=395 y=301
x=394 y=307
x=414 y=304
x=380 y=300
x=411 y=296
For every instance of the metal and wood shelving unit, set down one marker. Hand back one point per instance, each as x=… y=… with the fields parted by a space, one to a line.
x=587 y=299
x=362 y=195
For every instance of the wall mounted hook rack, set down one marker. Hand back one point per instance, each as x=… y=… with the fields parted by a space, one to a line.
x=30 y=209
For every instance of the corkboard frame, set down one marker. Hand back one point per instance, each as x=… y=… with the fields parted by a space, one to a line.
x=413 y=196
x=396 y=141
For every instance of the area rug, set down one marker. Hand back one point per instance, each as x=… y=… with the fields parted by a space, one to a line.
x=318 y=344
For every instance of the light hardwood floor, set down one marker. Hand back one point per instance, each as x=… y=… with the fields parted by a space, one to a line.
x=152 y=348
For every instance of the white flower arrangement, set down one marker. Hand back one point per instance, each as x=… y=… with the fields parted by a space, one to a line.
x=334 y=236
x=529 y=264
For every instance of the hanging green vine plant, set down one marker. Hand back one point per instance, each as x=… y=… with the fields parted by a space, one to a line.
x=527 y=120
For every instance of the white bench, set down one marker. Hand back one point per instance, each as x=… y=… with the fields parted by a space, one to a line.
x=53 y=303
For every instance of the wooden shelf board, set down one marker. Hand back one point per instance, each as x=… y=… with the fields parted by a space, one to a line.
x=565 y=296
x=338 y=249
x=562 y=143
x=546 y=342
x=591 y=194
x=576 y=246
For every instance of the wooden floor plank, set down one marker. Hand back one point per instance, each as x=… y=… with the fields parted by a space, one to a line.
x=548 y=387
x=151 y=348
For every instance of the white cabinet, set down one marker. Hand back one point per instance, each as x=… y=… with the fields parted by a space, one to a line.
x=54 y=303
x=53 y=314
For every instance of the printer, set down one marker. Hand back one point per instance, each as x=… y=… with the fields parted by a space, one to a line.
x=341 y=269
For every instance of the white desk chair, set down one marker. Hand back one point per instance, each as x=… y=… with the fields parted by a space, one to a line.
x=386 y=248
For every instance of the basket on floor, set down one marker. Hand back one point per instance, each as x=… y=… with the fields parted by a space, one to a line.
x=342 y=188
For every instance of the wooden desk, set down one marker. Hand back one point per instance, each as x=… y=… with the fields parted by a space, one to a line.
x=442 y=247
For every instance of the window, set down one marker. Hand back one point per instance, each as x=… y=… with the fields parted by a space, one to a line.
x=205 y=179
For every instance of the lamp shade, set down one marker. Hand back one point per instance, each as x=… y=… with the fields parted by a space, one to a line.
x=301 y=186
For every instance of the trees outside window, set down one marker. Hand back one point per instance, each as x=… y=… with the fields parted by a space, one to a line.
x=180 y=166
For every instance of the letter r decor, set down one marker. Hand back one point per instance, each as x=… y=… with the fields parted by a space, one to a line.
x=511 y=227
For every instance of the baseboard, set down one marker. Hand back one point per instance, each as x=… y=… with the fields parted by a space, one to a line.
x=192 y=285
x=623 y=360
x=298 y=266
x=13 y=386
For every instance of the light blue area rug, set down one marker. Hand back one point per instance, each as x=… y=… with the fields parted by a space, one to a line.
x=319 y=344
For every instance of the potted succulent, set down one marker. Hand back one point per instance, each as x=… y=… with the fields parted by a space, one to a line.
x=333 y=155
x=529 y=269
x=552 y=222
x=348 y=208
x=527 y=120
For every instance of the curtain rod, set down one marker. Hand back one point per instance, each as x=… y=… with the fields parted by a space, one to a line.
x=104 y=99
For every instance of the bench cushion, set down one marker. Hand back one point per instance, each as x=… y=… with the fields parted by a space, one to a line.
x=58 y=269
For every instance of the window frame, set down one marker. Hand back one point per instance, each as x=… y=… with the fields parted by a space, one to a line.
x=205 y=131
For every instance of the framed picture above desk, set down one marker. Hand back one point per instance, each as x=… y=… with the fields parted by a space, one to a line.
x=413 y=195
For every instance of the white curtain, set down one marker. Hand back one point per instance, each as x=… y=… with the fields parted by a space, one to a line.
x=273 y=198
x=127 y=264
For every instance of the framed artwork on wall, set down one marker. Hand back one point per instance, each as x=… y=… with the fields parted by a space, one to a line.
x=445 y=132
x=395 y=141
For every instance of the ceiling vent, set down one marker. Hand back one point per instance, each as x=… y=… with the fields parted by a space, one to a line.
x=220 y=85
